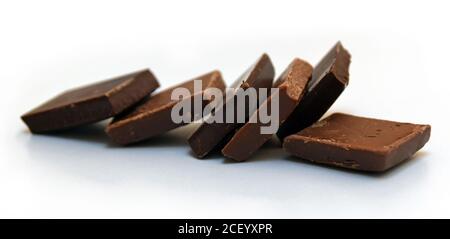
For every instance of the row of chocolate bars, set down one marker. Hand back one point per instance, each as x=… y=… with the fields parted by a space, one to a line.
x=305 y=94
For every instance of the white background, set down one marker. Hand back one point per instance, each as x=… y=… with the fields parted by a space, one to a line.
x=399 y=72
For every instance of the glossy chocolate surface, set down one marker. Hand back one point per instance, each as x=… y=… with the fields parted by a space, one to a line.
x=358 y=143
x=91 y=103
x=153 y=116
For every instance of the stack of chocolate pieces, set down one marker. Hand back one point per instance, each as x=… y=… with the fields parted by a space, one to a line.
x=300 y=96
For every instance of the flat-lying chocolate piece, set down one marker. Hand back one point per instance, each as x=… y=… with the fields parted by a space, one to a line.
x=358 y=143
x=210 y=136
x=292 y=85
x=329 y=79
x=153 y=116
x=91 y=103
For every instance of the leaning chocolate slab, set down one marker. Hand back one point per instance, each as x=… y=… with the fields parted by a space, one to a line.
x=358 y=143
x=153 y=116
x=91 y=103
x=291 y=87
x=210 y=136
x=329 y=79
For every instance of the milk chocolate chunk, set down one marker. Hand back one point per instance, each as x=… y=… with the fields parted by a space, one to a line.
x=291 y=87
x=91 y=103
x=153 y=116
x=329 y=79
x=213 y=135
x=358 y=143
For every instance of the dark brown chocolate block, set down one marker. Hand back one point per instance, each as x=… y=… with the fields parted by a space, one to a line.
x=153 y=116
x=91 y=103
x=358 y=143
x=292 y=85
x=210 y=136
x=329 y=79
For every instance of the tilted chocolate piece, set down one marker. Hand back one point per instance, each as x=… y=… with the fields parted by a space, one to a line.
x=91 y=103
x=209 y=136
x=153 y=116
x=329 y=79
x=292 y=85
x=358 y=143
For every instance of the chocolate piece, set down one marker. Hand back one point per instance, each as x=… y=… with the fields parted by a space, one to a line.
x=91 y=103
x=329 y=79
x=153 y=116
x=210 y=136
x=292 y=85
x=358 y=143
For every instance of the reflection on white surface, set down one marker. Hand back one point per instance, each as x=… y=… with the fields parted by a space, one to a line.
x=80 y=173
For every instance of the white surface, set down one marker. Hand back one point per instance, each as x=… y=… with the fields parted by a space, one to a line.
x=399 y=71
